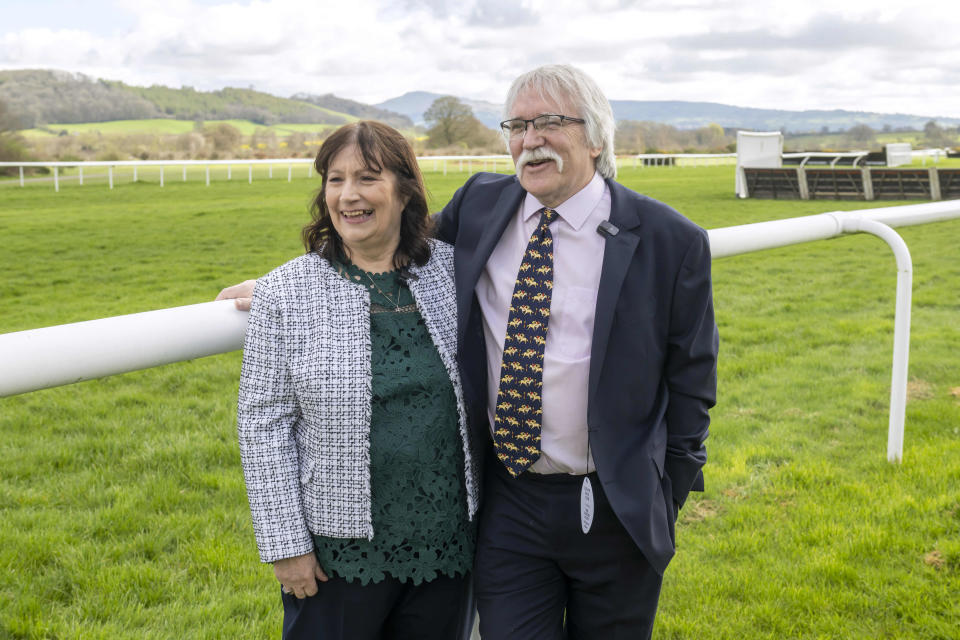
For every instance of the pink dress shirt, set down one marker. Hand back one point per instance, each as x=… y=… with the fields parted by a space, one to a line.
x=577 y=260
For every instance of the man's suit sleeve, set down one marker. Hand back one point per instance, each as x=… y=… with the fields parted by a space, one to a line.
x=691 y=369
x=447 y=222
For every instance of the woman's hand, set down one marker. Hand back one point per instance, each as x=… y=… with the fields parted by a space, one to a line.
x=240 y=294
x=298 y=575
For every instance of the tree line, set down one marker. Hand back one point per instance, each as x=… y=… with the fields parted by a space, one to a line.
x=451 y=124
x=41 y=97
x=451 y=128
x=934 y=136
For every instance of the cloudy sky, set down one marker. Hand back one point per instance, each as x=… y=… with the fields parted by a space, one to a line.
x=871 y=55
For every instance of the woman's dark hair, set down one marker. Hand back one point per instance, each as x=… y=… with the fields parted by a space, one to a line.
x=381 y=147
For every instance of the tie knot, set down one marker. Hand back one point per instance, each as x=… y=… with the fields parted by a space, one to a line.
x=548 y=215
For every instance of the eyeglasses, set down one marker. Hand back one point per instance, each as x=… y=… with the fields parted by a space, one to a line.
x=517 y=127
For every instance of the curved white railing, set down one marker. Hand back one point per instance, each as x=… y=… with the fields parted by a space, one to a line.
x=41 y=358
x=68 y=353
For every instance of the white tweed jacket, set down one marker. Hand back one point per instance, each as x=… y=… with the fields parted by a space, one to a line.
x=304 y=409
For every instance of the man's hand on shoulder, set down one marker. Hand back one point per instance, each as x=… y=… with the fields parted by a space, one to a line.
x=241 y=294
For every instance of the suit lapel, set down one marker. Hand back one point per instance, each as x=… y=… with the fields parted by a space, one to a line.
x=494 y=224
x=617 y=255
x=470 y=264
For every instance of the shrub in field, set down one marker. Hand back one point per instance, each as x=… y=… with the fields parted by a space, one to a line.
x=223 y=136
x=190 y=144
x=12 y=146
x=110 y=155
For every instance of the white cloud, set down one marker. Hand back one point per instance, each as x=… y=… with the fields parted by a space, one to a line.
x=876 y=55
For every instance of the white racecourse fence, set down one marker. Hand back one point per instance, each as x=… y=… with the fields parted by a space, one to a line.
x=171 y=168
x=64 y=354
x=165 y=167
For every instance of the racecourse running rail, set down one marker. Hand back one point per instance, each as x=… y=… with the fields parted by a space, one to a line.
x=64 y=354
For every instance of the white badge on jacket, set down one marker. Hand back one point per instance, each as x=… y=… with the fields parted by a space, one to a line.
x=586 y=505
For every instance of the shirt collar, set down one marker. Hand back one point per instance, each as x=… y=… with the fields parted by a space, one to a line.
x=576 y=209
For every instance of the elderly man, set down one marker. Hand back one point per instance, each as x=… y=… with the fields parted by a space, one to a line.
x=588 y=350
x=598 y=417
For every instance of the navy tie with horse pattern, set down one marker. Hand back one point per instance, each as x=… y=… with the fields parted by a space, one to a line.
x=519 y=413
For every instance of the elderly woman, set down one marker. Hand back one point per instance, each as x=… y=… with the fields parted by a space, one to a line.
x=351 y=419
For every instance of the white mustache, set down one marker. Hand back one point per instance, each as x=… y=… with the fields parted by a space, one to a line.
x=540 y=153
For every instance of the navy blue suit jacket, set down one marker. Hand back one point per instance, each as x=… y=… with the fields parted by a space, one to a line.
x=653 y=357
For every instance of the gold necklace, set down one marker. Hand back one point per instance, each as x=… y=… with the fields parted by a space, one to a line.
x=396 y=305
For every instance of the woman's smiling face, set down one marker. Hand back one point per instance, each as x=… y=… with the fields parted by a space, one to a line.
x=364 y=205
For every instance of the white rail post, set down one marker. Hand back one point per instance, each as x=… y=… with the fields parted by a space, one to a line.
x=161 y=175
x=208 y=175
x=184 y=173
x=134 y=173
x=901 y=328
x=250 y=173
x=21 y=176
x=444 y=166
x=802 y=183
x=81 y=175
x=270 y=175
x=934 y=183
x=289 y=173
x=110 y=175
x=229 y=171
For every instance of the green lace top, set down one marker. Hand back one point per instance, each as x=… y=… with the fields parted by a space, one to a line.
x=419 y=508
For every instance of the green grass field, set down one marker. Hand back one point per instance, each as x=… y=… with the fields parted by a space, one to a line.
x=122 y=506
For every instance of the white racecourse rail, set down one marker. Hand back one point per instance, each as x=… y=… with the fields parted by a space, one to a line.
x=437 y=163
x=478 y=163
x=53 y=356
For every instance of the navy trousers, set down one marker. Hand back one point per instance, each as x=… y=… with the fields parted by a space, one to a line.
x=537 y=576
x=386 y=610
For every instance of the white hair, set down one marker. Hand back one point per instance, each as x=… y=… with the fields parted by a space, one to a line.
x=567 y=85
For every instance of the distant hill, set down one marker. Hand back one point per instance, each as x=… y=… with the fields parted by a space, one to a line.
x=38 y=97
x=692 y=115
x=356 y=109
